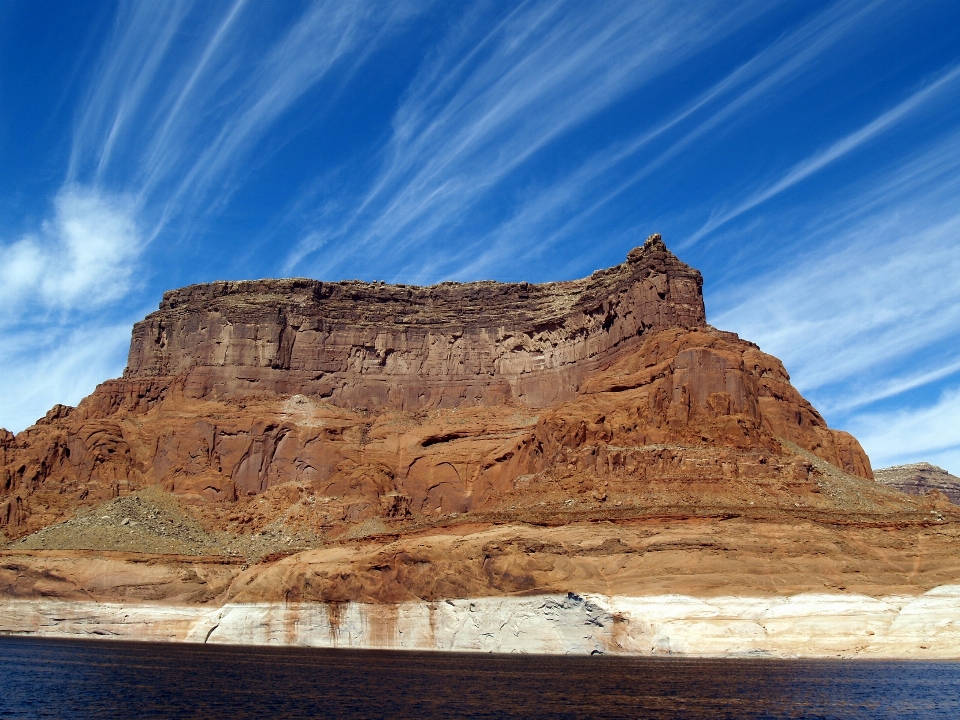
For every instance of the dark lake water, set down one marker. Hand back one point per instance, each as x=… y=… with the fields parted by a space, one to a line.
x=71 y=679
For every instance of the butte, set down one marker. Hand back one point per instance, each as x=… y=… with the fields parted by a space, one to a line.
x=322 y=445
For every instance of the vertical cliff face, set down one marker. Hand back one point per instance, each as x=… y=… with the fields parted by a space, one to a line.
x=373 y=345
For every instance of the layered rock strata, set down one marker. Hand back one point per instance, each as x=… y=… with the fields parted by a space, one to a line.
x=652 y=585
x=374 y=345
x=920 y=479
x=809 y=626
x=354 y=452
x=647 y=402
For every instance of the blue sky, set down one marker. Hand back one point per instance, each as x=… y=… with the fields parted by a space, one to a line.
x=805 y=156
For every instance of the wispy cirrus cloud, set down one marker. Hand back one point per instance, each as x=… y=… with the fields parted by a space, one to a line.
x=55 y=285
x=891 y=387
x=930 y=432
x=563 y=208
x=870 y=310
x=880 y=291
x=158 y=157
x=438 y=169
x=875 y=281
x=169 y=119
x=483 y=106
x=61 y=363
x=845 y=145
x=327 y=35
x=127 y=70
x=774 y=70
x=216 y=106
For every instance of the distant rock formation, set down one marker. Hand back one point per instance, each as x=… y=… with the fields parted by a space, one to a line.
x=920 y=479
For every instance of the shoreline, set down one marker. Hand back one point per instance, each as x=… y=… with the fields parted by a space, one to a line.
x=806 y=625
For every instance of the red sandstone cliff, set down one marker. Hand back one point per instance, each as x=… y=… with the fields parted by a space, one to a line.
x=400 y=402
x=373 y=345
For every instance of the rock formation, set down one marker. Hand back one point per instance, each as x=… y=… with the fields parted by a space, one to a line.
x=920 y=479
x=393 y=400
x=264 y=421
x=371 y=345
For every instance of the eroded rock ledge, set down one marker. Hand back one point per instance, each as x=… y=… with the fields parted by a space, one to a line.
x=374 y=345
x=570 y=467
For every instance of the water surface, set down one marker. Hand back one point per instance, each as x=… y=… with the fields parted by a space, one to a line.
x=102 y=679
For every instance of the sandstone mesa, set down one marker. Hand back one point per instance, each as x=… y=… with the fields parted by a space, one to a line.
x=354 y=452
x=920 y=479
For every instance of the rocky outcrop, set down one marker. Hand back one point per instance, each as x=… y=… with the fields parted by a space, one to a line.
x=920 y=479
x=690 y=418
x=672 y=586
x=668 y=553
x=12 y=512
x=398 y=402
x=696 y=387
x=373 y=345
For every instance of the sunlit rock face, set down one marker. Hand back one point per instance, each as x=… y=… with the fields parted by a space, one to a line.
x=373 y=345
x=565 y=468
x=396 y=402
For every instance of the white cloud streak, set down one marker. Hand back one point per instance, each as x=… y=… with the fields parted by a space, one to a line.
x=188 y=125
x=832 y=153
x=879 y=293
x=771 y=70
x=891 y=388
x=170 y=116
x=127 y=71
x=433 y=178
x=327 y=34
x=930 y=433
x=84 y=255
x=871 y=309
x=158 y=155
x=56 y=286
x=481 y=108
